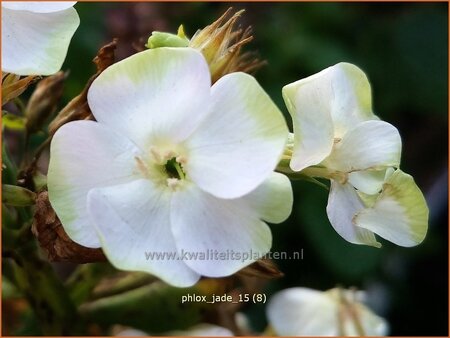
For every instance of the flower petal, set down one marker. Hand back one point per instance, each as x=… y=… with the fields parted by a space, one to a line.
x=368 y=181
x=323 y=107
x=36 y=43
x=306 y=101
x=133 y=222
x=343 y=205
x=240 y=143
x=372 y=324
x=352 y=97
x=356 y=318
x=158 y=95
x=227 y=233
x=307 y=312
x=273 y=199
x=303 y=312
x=370 y=145
x=203 y=330
x=400 y=213
x=130 y=332
x=38 y=6
x=85 y=155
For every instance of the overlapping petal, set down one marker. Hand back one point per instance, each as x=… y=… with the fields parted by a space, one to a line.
x=86 y=155
x=133 y=220
x=273 y=199
x=323 y=107
x=36 y=43
x=400 y=214
x=203 y=223
x=240 y=142
x=343 y=205
x=154 y=97
x=368 y=181
x=369 y=145
x=313 y=126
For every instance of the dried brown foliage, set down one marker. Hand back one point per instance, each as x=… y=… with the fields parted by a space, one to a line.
x=53 y=239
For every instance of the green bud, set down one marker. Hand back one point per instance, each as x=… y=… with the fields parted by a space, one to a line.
x=39 y=180
x=162 y=39
x=17 y=196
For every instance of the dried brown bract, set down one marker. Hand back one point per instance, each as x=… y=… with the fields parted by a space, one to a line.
x=53 y=239
x=263 y=268
x=13 y=86
x=43 y=102
x=78 y=108
x=221 y=45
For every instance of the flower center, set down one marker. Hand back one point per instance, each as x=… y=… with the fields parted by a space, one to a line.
x=174 y=169
x=164 y=166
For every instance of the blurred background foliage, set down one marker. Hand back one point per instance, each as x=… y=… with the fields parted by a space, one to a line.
x=403 y=48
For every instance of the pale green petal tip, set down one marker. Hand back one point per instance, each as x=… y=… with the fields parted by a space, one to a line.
x=162 y=39
x=288 y=93
x=400 y=214
x=404 y=189
x=360 y=83
x=374 y=244
x=369 y=239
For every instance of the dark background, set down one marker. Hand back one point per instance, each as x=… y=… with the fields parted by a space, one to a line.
x=403 y=48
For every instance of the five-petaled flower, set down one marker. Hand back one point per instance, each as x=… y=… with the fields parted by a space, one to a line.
x=36 y=35
x=337 y=136
x=172 y=164
x=336 y=312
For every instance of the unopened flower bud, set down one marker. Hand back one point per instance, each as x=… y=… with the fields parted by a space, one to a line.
x=44 y=100
x=220 y=43
x=162 y=39
x=17 y=196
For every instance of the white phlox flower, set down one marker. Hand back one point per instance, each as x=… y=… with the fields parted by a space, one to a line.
x=337 y=136
x=199 y=330
x=203 y=330
x=36 y=35
x=172 y=165
x=336 y=312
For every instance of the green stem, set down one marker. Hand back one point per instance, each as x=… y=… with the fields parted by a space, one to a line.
x=317 y=172
x=313 y=171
